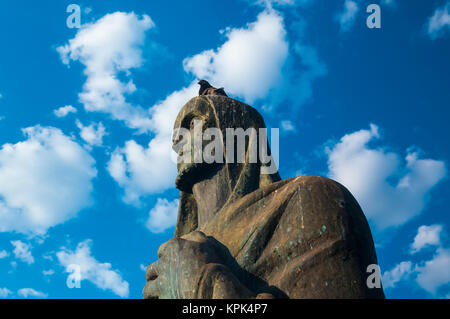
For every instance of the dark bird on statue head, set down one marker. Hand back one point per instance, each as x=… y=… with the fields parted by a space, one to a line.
x=208 y=89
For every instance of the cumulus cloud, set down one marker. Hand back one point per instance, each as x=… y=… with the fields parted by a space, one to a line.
x=22 y=251
x=163 y=216
x=143 y=171
x=431 y=274
x=100 y=274
x=64 y=111
x=347 y=16
x=44 y=181
x=3 y=254
x=92 y=134
x=249 y=63
x=398 y=273
x=287 y=126
x=30 y=292
x=435 y=273
x=426 y=236
x=5 y=292
x=439 y=21
x=257 y=63
x=389 y=193
x=109 y=49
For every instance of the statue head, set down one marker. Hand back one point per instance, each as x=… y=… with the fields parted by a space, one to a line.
x=192 y=122
x=213 y=133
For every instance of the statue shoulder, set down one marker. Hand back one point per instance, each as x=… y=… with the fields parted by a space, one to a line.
x=314 y=180
x=325 y=195
x=321 y=189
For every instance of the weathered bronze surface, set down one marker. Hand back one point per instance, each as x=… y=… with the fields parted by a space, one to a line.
x=243 y=234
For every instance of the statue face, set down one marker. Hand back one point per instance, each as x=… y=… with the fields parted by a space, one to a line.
x=189 y=144
x=206 y=134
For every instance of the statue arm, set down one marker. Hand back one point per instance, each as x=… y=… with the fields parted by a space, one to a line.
x=191 y=267
x=218 y=282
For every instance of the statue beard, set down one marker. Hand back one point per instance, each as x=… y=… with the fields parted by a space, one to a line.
x=192 y=173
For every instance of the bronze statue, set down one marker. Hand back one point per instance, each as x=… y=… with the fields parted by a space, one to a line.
x=241 y=233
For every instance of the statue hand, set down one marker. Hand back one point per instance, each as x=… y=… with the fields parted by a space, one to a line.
x=192 y=267
x=181 y=261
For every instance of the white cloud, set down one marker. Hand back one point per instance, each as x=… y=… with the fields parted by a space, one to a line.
x=439 y=21
x=426 y=236
x=92 y=134
x=431 y=274
x=5 y=292
x=44 y=181
x=30 y=292
x=249 y=63
x=143 y=171
x=100 y=274
x=163 y=215
x=256 y=62
x=389 y=193
x=48 y=272
x=347 y=17
x=64 y=110
x=3 y=254
x=109 y=49
x=287 y=126
x=22 y=251
x=435 y=273
x=400 y=272
x=142 y=267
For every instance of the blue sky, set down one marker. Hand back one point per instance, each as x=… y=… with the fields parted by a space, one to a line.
x=86 y=117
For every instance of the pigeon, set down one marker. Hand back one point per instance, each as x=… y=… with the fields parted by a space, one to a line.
x=208 y=89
